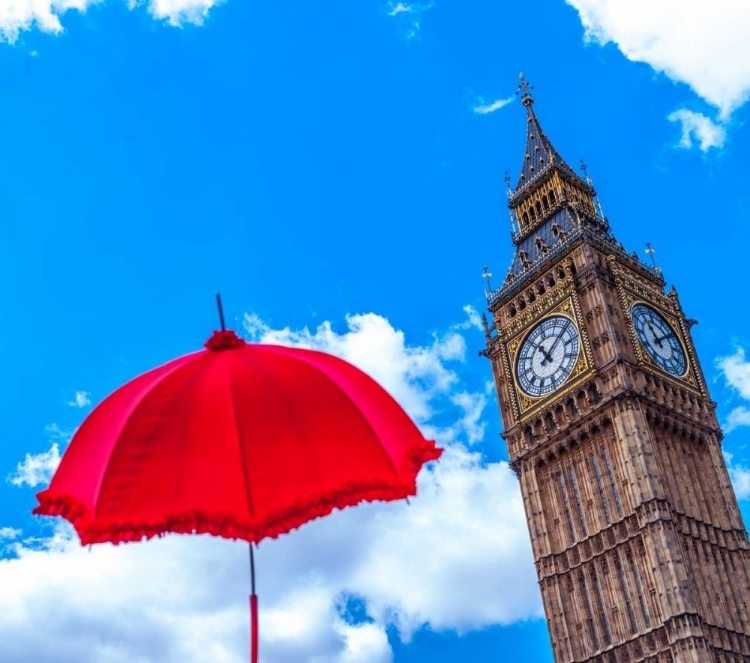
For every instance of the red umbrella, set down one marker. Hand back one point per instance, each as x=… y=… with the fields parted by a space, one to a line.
x=243 y=441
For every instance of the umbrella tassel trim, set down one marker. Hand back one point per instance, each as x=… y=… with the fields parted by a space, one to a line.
x=99 y=530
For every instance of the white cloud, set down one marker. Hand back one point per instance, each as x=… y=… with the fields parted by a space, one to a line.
x=697 y=129
x=458 y=558
x=473 y=406
x=397 y=8
x=483 y=108
x=409 y=15
x=81 y=399
x=180 y=12
x=474 y=319
x=9 y=533
x=22 y=15
x=58 y=434
x=740 y=416
x=36 y=469
x=740 y=476
x=415 y=376
x=18 y=16
x=695 y=42
x=736 y=370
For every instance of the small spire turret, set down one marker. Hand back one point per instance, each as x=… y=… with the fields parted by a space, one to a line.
x=546 y=181
x=540 y=155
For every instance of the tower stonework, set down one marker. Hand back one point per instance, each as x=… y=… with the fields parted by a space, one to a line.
x=639 y=545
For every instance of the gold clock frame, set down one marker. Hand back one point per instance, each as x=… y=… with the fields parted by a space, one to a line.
x=632 y=292
x=525 y=406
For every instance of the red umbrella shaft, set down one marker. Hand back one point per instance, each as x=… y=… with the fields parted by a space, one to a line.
x=253 y=611
x=253 y=628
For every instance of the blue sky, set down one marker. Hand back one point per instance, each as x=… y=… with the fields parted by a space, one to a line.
x=336 y=171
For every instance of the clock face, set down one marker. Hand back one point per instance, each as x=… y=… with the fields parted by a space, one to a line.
x=659 y=339
x=548 y=356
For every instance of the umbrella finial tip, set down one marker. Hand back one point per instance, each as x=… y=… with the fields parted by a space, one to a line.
x=225 y=339
x=221 y=311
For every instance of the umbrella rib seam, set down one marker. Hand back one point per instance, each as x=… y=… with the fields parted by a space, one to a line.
x=135 y=406
x=358 y=412
x=245 y=477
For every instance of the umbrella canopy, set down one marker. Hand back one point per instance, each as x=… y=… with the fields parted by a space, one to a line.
x=239 y=440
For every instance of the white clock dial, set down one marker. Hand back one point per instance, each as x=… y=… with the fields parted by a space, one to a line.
x=658 y=339
x=548 y=356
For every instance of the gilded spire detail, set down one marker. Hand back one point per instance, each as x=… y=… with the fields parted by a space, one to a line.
x=541 y=156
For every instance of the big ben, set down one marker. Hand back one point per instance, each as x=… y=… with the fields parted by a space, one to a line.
x=640 y=549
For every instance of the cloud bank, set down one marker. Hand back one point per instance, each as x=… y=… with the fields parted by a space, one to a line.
x=699 y=43
x=457 y=559
x=695 y=42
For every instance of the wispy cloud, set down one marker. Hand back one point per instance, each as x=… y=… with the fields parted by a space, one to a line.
x=473 y=319
x=46 y=15
x=698 y=130
x=740 y=476
x=9 y=533
x=736 y=370
x=740 y=416
x=81 y=399
x=483 y=108
x=57 y=434
x=409 y=15
x=36 y=469
x=401 y=8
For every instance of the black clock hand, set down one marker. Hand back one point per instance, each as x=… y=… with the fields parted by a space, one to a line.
x=554 y=345
x=661 y=338
x=547 y=356
x=657 y=340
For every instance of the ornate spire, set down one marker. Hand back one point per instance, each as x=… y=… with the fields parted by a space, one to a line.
x=540 y=156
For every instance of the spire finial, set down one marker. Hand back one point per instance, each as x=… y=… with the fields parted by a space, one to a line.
x=508 y=190
x=651 y=250
x=584 y=169
x=523 y=89
x=487 y=274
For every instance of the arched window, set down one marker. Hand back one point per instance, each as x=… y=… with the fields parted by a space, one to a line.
x=552 y=199
x=545 y=202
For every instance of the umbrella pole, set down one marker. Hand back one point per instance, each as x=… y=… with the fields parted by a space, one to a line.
x=253 y=611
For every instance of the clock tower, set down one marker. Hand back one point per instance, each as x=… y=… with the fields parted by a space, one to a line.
x=639 y=545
